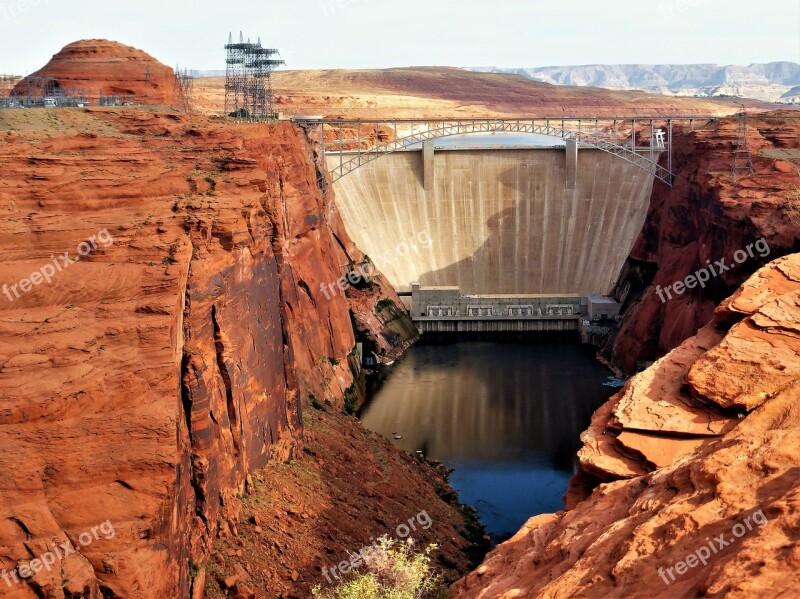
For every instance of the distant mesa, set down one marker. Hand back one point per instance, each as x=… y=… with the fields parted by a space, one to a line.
x=770 y=82
x=95 y=68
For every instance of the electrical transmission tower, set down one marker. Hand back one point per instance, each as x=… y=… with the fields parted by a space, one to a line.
x=248 y=80
x=183 y=91
x=742 y=158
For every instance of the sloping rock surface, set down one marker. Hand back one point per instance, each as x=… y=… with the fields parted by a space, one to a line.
x=706 y=442
x=167 y=355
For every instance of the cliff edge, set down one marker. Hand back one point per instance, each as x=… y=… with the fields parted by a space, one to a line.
x=163 y=327
x=699 y=454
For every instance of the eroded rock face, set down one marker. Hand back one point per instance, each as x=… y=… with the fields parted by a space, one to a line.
x=93 y=67
x=706 y=217
x=142 y=383
x=686 y=455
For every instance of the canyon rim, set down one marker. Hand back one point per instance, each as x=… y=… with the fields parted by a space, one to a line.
x=294 y=331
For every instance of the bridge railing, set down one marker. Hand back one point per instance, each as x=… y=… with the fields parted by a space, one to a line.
x=348 y=145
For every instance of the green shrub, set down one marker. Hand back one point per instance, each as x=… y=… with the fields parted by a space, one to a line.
x=194 y=570
x=170 y=257
x=350 y=399
x=392 y=570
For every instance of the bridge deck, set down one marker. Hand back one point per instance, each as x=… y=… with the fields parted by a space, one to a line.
x=615 y=135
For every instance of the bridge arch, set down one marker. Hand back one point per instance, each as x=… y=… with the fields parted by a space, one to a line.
x=604 y=134
x=497 y=223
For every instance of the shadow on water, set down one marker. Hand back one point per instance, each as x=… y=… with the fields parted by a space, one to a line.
x=507 y=416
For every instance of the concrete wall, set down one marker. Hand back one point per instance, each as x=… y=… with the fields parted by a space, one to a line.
x=443 y=302
x=497 y=221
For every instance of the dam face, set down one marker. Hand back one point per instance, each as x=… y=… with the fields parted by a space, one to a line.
x=497 y=221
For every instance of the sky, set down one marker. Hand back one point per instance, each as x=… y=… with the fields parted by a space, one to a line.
x=390 y=33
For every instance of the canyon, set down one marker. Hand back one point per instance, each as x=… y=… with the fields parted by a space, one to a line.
x=701 y=440
x=175 y=362
x=187 y=381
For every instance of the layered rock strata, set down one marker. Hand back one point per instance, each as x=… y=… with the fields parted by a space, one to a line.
x=698 y=456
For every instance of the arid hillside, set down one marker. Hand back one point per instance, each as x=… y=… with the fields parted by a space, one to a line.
x=429 y=92
x=91 y=68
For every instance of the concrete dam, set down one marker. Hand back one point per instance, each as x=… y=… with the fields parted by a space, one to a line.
x=522 y=224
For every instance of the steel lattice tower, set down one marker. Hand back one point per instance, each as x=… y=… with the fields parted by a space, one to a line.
x=248 y=79
x=742 y=158
x=183 y=91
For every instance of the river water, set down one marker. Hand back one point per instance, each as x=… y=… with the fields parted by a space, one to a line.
x=506 y=416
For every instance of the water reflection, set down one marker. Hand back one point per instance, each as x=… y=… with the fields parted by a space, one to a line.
x=506 y=416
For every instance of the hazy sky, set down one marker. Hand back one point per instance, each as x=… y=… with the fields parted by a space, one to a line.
x=384 y=33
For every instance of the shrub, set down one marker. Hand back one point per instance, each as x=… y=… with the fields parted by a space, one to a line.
x=170 y=257
x=194 y=570
x=392 y=570
x=350 y=399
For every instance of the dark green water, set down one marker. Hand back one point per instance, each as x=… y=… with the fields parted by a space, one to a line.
x=506 y=416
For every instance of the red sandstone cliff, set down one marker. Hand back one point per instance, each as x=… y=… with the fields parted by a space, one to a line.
x=94 y=67
x=706 y=442
x=143 y=383
x=709 y=434
x=706 y=217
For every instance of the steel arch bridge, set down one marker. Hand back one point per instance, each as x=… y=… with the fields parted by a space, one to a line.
x=349 y=144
